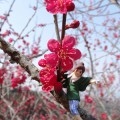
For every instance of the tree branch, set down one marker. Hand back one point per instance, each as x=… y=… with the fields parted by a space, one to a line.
x=63 y=26
x=56 y=27
x=19 y=58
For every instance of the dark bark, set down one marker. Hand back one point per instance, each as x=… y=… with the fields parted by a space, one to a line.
x=25 y=63
x=2 y=117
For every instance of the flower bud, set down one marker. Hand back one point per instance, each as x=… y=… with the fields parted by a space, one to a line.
x=74 y=24
x=70 y=6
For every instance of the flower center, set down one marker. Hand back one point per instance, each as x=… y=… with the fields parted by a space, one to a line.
x=60 y=2
x=62 y=54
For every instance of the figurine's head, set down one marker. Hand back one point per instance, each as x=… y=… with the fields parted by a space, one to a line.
x=80 y=70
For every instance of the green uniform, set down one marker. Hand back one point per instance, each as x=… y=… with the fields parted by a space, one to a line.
x=73 y=88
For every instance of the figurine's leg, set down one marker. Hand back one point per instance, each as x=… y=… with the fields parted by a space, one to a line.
x=73 y=106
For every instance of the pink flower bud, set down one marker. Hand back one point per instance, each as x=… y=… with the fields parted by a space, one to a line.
x=75 y=24
x=70 y=6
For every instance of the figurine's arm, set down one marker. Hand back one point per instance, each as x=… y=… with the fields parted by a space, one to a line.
x=93 y=81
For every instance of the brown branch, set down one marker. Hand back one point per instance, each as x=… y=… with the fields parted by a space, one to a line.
x=63 y=26
x=19 y=58
x=2 y=117
x=56 y=27
x=24 y=62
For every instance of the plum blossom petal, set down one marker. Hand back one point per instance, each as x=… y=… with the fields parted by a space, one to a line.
x=46 y=72
x=66 y=64
x=74 y=54
x=52 y=59
x=53 y=45
x=43 y=72
x=53 y=80
x=48 y=82
x=42 y=62
x=51 y=8
x=43 y=80
x=59 y=6
x=68 y=42
x=47 y=87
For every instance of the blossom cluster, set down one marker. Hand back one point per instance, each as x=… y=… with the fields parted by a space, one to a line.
x=18 y=78
x=61 y=54
x=59 y=6
x=2 y=71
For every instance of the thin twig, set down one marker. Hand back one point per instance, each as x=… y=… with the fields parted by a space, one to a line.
x=7 y=15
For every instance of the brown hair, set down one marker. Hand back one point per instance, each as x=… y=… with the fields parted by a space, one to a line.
x=81 y=67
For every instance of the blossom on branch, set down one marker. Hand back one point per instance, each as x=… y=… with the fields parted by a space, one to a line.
x=47 y=76
x=59 y=6
x=2 y=71
x=65 y=52
x=74 y=24
x=104 y=116
x=88 y=99
x=61 y=54
x=15 y=81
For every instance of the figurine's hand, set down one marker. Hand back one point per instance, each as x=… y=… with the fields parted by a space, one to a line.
x=94 y=81
x=97 y=81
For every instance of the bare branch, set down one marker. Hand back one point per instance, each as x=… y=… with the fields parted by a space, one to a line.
x=20 y=59
x=7 y=15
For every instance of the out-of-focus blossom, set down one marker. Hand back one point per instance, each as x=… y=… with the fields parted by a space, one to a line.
x=41 y=25
x=105 y=47
x=88 y=99
x=3 y=17
x=35 y=8
x=115 y=35
x=65 y=52
x=111 y=78
x=35 y=50
x=104 y=116
x=101 y=93
x=10 y=40
x=15 y=81
x=118 y=57
x=59 y=6
x=6 y=33
x=2 y=71
x=74 y=24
